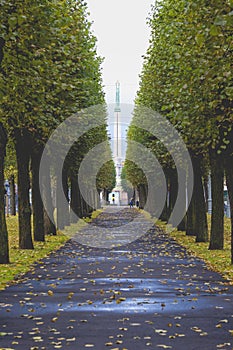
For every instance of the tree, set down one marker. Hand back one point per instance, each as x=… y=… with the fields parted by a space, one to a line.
x=4 y=247
x=181 y=80
x=106 y=177
x=50 y=71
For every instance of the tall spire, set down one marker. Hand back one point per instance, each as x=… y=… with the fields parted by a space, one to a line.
x=117 y=107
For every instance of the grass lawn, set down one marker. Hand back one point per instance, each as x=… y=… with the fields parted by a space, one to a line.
x=217 y=260
x=21 y=260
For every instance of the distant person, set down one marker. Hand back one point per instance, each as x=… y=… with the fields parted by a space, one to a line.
x=225 y=207
x=131 y=203
x=137 y=204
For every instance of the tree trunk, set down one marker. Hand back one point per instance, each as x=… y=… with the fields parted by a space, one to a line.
x=182 y=225
x=59 y=207
x=37 y=204
x=97 y=200
x=142 y=192
x=105 y=195
x=89 y=209
x=4 y=246
x=173 y=190
x=66 y=204
x=206 y=191
x=229 y=180
x=200 y=218
x=12 y=198
x=217 y=217
x=190 y=226
x=23 y=149
x=84 y=208
x=49 y=223
x=63 y=214
x=75 y=202
x=91 y=201
x=164 y=216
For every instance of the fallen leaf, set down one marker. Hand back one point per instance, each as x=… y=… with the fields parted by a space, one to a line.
x=161 y=331
x=164 y=346
x=220 y=346
x=70 y=339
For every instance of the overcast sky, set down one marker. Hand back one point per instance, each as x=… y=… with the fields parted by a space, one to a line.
x=123 y=37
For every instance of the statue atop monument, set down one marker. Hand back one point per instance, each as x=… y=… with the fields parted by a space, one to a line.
x=117 y=107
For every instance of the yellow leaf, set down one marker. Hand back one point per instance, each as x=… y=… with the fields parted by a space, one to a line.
x=71 y=339
x=224 y=321
x=70 y=295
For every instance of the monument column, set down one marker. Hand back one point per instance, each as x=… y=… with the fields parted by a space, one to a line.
x=120 y=197
x=117 y=136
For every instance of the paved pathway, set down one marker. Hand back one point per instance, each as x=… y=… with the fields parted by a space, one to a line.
x=149 y=294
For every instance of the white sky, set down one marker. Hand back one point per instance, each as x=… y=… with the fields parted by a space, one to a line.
x=123 y=37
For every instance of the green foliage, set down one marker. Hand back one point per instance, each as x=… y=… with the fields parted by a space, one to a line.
x=50 y=70
x=187 y=79
x=10 y=161
x=106 y=177
x=187 y=73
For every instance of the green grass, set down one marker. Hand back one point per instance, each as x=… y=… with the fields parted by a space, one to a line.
x=21 y=260
x=217 y=260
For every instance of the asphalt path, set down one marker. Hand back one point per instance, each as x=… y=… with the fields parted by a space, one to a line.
x=95 y=293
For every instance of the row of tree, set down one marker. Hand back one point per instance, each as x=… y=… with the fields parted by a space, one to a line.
x=49 y=70
x=187 y=77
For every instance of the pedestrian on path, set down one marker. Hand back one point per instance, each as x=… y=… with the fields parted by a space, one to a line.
x=131 y=203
